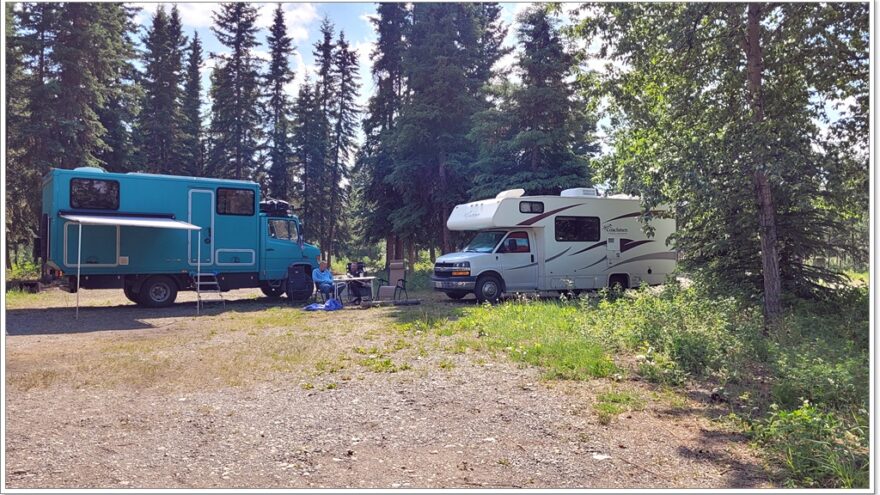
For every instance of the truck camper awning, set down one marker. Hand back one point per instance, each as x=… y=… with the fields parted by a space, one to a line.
x=131 y=221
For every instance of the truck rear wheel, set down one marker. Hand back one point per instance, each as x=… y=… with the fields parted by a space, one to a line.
x=272 y=291
x=488 y=289
x=158 y=292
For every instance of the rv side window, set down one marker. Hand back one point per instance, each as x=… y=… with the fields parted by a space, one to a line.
x=577 y=229
x=97 y=194
x=235 y=201
x=531 y=207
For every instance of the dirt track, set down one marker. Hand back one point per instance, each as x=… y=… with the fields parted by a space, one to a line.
x=257 y=396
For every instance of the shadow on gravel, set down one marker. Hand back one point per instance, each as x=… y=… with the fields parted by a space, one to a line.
x=52 y=321
x=714 y=450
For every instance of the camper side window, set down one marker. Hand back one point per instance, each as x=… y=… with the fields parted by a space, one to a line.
x=577 y=229
x=279 y=229
x=235 y=201
x=97 y=194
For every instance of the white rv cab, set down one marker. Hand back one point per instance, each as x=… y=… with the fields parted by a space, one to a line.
x=576 y=241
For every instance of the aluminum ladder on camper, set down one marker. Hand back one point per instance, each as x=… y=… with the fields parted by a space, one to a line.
x=207 y=284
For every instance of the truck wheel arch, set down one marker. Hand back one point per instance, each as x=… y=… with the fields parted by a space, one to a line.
x=619 y=278
x=495 y=274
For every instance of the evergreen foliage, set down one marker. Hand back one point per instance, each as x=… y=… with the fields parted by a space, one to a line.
x=192 y=151
x=235 y=131
x=278 y=118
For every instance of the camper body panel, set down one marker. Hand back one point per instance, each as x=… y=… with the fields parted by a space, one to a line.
x=575 y=243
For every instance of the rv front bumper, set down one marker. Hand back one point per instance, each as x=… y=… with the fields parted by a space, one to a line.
x=454 y=283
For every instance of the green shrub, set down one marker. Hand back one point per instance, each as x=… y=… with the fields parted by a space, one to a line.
x=817 y=448
x=23 y=270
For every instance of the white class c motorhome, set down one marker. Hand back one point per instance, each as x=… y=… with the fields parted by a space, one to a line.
x=553 y=244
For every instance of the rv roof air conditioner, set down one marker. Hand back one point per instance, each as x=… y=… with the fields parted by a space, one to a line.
x=512 y=193
x=89 y=169
x=580 y=191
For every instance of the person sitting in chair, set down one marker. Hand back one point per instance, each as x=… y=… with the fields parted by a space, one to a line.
x=323 y=279
x=356 y=288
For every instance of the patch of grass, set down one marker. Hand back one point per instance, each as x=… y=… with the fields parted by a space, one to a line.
x=331 y=365
x=818 y=449
x=615 y=402
x=545 y=334
x=381 y=364
x=275 y=316
x=37 y=379
x=446 y=364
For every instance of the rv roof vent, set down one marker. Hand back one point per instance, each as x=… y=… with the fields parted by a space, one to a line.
x=580 y=191
x=89 y=169
x=513 y=193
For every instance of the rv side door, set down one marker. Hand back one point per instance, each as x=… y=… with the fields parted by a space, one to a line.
x=519 y=263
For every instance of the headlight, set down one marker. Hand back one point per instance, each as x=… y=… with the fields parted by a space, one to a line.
x=463 y=264
x=461 y=269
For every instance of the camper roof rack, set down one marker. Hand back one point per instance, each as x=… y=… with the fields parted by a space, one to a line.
x=276 y=208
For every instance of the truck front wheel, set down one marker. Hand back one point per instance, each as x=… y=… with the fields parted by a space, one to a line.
x=131 y=295
x=272 y=291
x=158 y=292
x=488 y=289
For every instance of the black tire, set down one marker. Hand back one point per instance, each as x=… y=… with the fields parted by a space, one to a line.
x=270 y=291
x=488 y=289
x=456 y=295
x=158 y=292
x=131 y=295
x=618 y=282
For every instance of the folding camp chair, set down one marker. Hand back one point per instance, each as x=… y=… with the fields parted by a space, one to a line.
x=397 y=274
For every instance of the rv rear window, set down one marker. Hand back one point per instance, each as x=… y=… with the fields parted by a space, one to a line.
x=95 y=194
x=577 y=229
x=531 y=207
x=235 y=201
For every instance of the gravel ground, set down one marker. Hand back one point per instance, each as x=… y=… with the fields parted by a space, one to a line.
x=447 y=420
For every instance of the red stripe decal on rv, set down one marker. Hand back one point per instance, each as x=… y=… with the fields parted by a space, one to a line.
x=538 y=218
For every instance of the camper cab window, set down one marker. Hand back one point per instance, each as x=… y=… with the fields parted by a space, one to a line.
x=484 y=242
x=516 y=242
x=235 y=201
x=95 y=194
x=577 y=229
x=283 y=229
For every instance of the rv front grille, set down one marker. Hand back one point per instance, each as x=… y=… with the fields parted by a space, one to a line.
x=443 y=270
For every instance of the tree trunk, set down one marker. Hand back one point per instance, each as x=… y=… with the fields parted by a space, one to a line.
x=763 y=193
x=432 y=253
x=444 y=208
x=389 y=249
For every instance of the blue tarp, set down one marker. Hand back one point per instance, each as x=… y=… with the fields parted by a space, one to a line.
x=330 y=305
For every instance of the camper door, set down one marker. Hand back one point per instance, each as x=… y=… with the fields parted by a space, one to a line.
x=518 y=261
x=201 y=213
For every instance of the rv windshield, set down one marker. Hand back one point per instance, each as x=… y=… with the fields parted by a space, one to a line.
x=484 y=242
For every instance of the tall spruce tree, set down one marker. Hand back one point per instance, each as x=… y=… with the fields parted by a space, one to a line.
x=310 y=156
x=161 y=123
x=344 y=112
x=529 y=140
x=445 y=82
x=375 y=163
x=118 y=115
x=235 y=130
x=278 y=107
x=717 y=103
x=192 y=152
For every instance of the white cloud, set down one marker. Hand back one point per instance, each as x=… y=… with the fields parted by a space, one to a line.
x=297 y=18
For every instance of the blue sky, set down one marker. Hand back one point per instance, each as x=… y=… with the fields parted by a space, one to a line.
x=303 y=22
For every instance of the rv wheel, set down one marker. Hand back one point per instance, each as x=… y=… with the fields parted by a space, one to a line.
x=488 y=289
x=158 y=292
x=131 y=294
x=271 y=291
x=456 y=295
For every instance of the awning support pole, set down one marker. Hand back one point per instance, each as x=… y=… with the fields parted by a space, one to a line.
x=79 y=242
x=198 y=273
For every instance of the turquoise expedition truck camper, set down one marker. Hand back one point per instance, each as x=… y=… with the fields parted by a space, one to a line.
x=243 y=242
